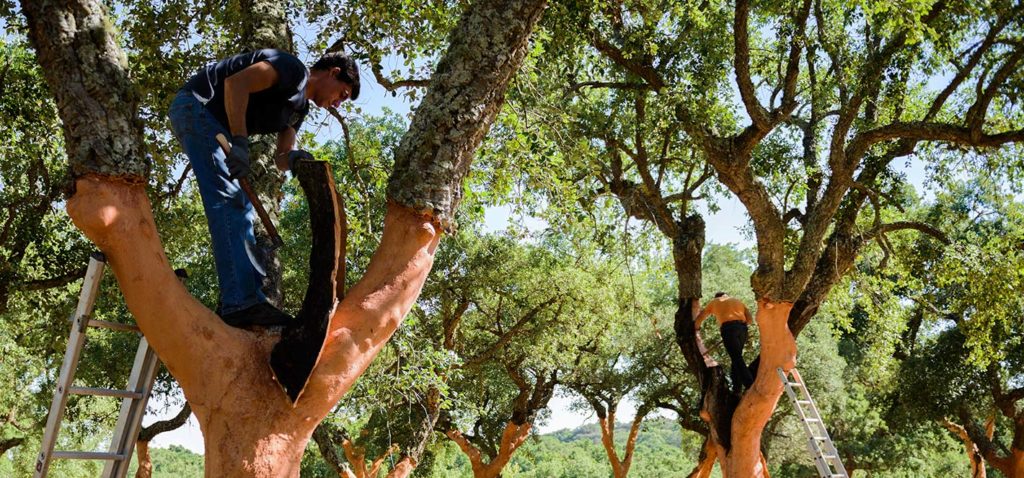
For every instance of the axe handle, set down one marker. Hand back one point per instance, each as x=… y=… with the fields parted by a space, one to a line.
x=275 y=238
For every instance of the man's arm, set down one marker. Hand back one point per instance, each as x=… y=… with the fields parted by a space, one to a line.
x=700 y=318
x=237 y=87
x=285 y=144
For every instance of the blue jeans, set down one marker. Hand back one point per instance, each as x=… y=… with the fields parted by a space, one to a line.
x=229 y=214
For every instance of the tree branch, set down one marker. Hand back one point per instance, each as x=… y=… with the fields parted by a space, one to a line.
x=901 y=225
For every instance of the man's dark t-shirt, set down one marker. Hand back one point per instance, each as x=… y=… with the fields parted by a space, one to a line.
x=269 y=111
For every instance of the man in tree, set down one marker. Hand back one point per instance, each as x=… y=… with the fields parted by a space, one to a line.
x=733 y=319
x=261 y=92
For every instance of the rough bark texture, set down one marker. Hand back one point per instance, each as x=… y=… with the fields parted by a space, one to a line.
x=326 y=436
x=511 y=439
x=264 y=24
x=88 y=75
x=249 y=426
x=487 y=47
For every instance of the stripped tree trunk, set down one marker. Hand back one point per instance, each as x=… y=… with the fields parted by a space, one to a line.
x=706 y=461
x=973 y=454
x=778 y=349
x=249 y=425
x=620 y=467
x=511 y=439
x=356 y=456
x=147 y=434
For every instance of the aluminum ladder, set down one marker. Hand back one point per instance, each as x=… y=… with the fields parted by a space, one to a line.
x=134 y=398
x=826 y=457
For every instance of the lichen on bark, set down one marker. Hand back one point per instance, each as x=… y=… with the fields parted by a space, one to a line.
x=466 y=92
x=94 y=93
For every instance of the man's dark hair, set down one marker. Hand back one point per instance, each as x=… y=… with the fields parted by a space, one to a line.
x=719 y=294
x=349 y=71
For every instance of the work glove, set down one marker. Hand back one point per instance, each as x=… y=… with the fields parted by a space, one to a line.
x=296 y=155
x=238 y=157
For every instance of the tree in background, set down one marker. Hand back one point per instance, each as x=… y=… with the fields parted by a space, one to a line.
x=808 y=146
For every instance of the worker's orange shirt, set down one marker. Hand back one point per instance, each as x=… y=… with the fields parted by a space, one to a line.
x=725 y=309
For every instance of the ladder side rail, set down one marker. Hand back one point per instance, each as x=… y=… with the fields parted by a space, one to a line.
x=129 y=420
x=76 y=342
x=819 y=451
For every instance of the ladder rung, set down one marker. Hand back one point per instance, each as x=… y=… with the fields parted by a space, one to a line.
x=105 y=392
x=103 y=324
x=820 y=438
x=88 y=455
x=795 y=384
x=803 y=402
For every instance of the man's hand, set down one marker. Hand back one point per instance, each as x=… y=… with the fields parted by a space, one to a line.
x=296 y=155
x=238 y=157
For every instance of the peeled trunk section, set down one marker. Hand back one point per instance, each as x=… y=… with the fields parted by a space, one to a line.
x=511 y=439
x=778 y=349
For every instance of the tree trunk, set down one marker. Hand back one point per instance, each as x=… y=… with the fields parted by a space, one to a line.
x=403 y=468
x=706 y=462
x=356 y=456
x=511 y=439
x=147 y=434
x=620 y=468
x=778 y=349
x=249 y=426
x=264 y=24
x=145 y=462
x=973 y=454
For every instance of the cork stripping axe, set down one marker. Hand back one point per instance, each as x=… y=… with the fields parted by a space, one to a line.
x=275 y=238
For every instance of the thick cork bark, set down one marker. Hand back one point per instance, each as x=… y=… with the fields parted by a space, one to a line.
x=486 y=49
x=778 y=349
x=511 y=439
x=87 y=72
x=264 y=24
x=249 y=426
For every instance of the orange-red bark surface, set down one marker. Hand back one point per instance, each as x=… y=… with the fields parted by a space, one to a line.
x=249 y=426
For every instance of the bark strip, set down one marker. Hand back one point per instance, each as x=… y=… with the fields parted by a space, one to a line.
x=295 y=356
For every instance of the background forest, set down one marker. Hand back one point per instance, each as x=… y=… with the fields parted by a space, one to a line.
x=607 y=156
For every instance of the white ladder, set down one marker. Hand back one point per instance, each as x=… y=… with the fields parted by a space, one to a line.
x=826 y=457
x=133 y=404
